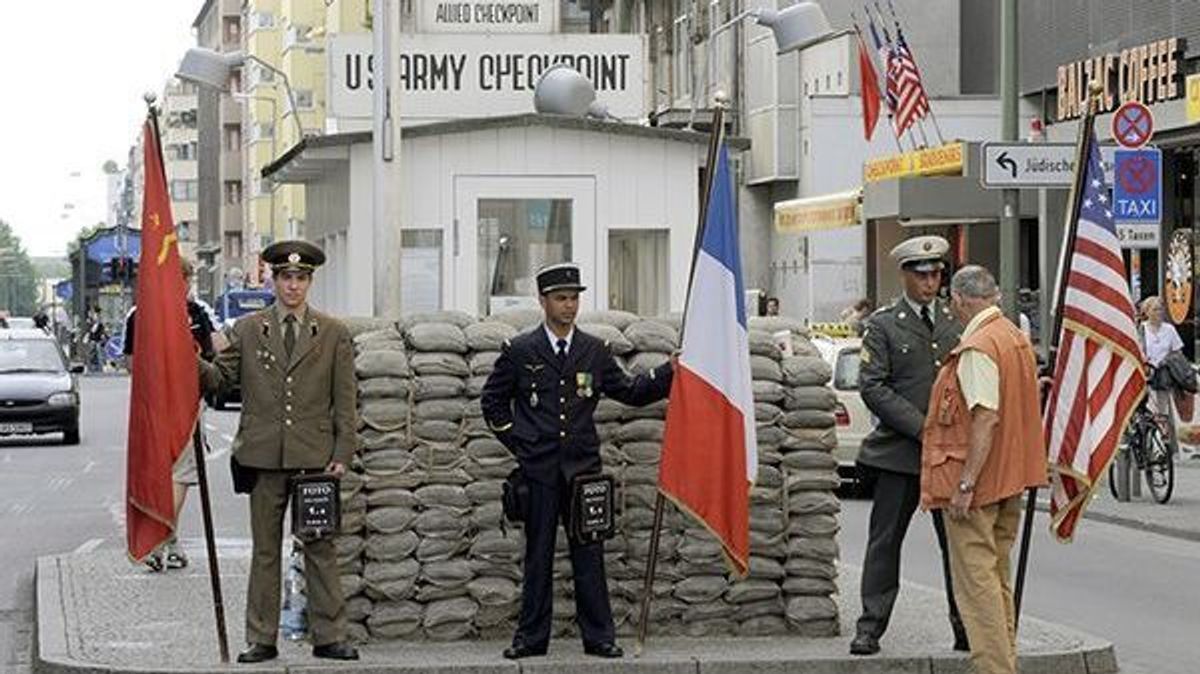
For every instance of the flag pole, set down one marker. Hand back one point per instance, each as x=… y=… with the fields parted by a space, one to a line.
x=715 y=137
x=1082 y=151
x=932 y=115
x=214 y=573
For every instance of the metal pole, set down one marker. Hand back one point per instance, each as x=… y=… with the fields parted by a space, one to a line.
x=210 y=540
x=1010 y=211
x=714 y=145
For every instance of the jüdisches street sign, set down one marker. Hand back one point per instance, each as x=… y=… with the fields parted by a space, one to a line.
x=1048 y=165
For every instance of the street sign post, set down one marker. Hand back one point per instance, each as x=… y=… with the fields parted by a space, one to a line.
x=1047 y=165
x=1137 y=189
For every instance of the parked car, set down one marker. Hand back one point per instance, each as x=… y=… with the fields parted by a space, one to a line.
x=231 y=306
x=18 y=323
x=854 y=421
x=39 y=392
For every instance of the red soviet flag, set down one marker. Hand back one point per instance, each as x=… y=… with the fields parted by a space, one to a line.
x=165 y=391
x=869 y=82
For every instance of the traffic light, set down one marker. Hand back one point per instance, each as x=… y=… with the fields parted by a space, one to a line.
x=121 y=269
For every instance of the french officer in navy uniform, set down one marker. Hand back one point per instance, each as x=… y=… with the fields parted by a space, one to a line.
x=903 y=346
x=296 y=370
x=539 y=402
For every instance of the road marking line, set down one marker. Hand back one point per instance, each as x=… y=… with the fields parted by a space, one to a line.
x=88 y=546
x=88 y=468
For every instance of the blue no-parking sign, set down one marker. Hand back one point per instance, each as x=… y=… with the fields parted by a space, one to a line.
x=1137 y=186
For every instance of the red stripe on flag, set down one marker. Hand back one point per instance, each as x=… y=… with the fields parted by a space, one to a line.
x=703 y=466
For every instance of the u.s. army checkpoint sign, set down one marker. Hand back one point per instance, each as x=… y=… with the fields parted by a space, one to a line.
x=489 y=16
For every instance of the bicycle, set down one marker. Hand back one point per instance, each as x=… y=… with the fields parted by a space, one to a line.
x=1151 y=448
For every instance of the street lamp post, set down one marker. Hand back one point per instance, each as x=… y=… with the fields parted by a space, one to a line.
x=274 y=151
x=1010 y=214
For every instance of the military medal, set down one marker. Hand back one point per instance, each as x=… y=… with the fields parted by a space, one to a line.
x=583 y=384
x=533 y=399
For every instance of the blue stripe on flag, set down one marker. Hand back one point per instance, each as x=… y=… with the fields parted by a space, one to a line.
x=721 y=230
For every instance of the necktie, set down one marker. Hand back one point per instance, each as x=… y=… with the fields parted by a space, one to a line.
x=562 y=350
x=926 y=317
x=289 y=334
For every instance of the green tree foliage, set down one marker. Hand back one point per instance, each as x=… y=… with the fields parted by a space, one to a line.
x=18 y=278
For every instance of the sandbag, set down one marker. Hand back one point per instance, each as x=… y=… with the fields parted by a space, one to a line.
x=370 y=364
x=805 y=371
x=383 y=415
x=459 y=319
x=430 y=387
x=765 y=369
x=614 y=317
x=809 y=398
x=652 y=336
x=384 y=387
x=439 y=363
x=488 y=335
x=436 y=338
x=482 y=362
x=616 y=340
x=445 y=409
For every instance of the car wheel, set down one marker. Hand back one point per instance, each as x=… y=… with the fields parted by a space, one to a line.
x=71 y=436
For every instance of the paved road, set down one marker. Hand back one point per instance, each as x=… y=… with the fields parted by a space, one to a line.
x=1136 y=589
x=56 y=499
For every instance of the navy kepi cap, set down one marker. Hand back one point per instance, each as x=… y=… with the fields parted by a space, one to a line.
x=293 y=255
x=562 y=276
x=921 y=253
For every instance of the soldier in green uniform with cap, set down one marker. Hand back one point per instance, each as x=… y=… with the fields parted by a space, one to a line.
x=903 y=346
x=296 y=370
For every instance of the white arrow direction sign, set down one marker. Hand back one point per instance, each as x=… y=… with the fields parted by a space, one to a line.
x=1049 y=165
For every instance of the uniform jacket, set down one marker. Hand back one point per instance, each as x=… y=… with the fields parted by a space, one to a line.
x=297 y=414
x=543 y=411
x=900 y=360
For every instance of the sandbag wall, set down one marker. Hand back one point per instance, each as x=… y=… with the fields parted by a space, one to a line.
x=422 y=551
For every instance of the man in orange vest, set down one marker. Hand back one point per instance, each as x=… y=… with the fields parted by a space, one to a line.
x=982 y=448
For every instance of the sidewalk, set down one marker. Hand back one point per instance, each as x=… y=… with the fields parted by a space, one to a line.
x=98 y=613
x=1179 y=517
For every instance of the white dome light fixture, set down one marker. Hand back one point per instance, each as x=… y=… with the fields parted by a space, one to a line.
x=562 y=90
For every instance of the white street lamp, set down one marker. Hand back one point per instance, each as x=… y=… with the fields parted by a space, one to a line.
x=209 y=68
x=796 y=27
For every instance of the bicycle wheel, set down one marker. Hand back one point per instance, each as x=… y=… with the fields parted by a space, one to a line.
x=1159 y=464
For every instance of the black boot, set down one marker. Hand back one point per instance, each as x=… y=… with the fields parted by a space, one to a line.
x=258 y=653
x=336 y=651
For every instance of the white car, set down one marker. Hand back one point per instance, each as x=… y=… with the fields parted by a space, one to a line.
x=854 y=421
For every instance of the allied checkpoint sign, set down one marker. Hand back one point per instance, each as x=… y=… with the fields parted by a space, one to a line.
x=1137 y=196
x=455 y=76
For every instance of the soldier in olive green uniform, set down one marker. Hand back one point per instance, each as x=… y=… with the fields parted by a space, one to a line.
x=296 y=370
x=903 y=346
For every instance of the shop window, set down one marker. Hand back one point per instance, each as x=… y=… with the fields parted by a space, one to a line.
x=516 y=238
x=638 y=271
x=420 y=270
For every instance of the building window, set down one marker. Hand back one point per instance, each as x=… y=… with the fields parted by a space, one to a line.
x=235 y=80
x=231 y=30
x=421 y=270
x=184 y=190
x=233 y=244
x=639 y=271
x=233 y=192
x=181 y=151
x=574 y=17
x=304 y=99
x=681 y=41
x=184 y=229
x=233 y=137
x=262 y=20
x=516 y=238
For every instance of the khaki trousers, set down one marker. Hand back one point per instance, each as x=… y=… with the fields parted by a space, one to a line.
x=979 y=560
x=326 y=606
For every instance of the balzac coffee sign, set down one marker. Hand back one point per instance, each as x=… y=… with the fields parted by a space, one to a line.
x=1149 y=73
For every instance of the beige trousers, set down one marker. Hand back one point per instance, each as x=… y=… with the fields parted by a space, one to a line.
x=979 y=563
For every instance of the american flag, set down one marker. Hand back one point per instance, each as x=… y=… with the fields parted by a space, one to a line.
x=911 y=102
x=1098 y=378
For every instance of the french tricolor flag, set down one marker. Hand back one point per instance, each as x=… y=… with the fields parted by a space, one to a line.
x=710 y=452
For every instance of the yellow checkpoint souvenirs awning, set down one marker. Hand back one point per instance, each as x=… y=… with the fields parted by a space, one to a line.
x=813 y=214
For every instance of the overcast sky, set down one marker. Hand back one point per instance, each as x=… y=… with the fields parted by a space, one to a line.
x=72 y=74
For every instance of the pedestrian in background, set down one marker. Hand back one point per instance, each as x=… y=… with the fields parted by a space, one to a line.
x=296 y=370
x=184 y=473
x=772 y=308
x=902 y=347
x=855 y=314
x=982 y=449
x=1159 y=340
x=539 y=401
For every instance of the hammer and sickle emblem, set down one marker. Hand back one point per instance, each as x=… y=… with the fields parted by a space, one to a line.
x=168 y=241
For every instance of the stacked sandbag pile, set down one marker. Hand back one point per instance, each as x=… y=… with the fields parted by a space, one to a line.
x=434 y=562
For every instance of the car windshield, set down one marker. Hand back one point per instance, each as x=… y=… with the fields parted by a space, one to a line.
x=845 y=377
x=29 y=355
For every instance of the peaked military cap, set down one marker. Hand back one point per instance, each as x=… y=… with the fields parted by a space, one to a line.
x=922 y=253
x=293 y=255
x=562 y=276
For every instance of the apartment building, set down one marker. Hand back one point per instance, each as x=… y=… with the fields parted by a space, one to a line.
x=180 y=145
x=220 y=235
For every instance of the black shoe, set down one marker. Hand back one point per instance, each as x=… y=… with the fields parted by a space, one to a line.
x=609 y=650
x=336 y=651
x=864 y=644
x=258 y=653
x=518 y=651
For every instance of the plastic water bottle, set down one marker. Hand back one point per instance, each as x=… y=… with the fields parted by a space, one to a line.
x=293 y=620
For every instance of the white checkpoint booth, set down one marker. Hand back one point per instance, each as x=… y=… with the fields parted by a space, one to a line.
x=485 y=202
